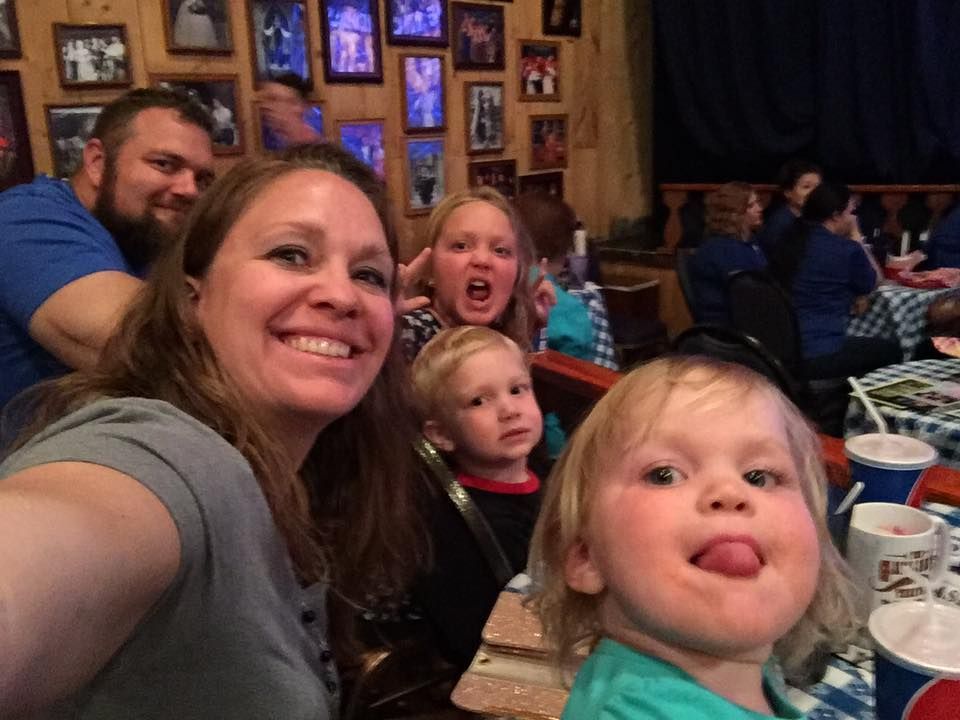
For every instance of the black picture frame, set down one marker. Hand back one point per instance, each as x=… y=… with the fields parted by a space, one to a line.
x=198 y=27
x=550 y=183
x=228 y=136
x=79 y=66
x=498 y=174
x=399 y=21
x=9 y=30
x=562 y=17
x=359 y=41
x=69 y=128
x=470 y=21
x=484 y=117
x=423 y=92
x=276 y=53
x=16 y=156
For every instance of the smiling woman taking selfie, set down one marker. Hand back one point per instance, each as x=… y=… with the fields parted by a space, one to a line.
x=172 y=521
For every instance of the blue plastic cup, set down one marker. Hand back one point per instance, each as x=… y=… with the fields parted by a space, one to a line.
x=890 y=466
x=917 y=661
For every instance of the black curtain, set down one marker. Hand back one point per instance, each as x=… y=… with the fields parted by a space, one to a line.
x=869 y=89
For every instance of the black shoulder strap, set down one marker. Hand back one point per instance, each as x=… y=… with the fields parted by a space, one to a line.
x=476 y=522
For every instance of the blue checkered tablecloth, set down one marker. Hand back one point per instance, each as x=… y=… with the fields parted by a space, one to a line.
x=846 y=691
x=896 y=313
x=604 y=353
x=936 y=428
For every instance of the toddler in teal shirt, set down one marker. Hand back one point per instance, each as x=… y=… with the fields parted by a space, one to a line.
x=683 y=537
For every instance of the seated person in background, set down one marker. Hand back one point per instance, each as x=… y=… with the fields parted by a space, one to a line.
x=570 y=329
x=943 y=247
x=72 y=252
x=475 y=396
x=733 y=214
x=683 y=538
x=943 y=328
x=824 y=265
x=478 y=256
x=795 y=181
x=287 y=117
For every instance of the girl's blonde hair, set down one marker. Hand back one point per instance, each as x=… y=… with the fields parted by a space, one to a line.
x=518 y=319
x=624 y=417
x=442 y=356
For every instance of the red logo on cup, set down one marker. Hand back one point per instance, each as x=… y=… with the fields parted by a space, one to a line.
x=936 y=700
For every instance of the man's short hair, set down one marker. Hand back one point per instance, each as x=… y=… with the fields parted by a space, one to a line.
x=115 y=122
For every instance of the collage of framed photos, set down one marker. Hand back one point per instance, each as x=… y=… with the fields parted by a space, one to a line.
x=97 y=56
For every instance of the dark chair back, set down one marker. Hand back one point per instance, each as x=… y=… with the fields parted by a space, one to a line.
x=686 y=283
x=760 y=308
x=634 y=315
x=723 y=343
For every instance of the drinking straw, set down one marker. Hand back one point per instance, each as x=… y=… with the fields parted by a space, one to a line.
x=868 y=404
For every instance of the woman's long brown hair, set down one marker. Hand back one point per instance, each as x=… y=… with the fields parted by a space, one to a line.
x=348 y=515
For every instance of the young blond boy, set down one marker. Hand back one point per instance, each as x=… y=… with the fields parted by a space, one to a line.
x=474 y=393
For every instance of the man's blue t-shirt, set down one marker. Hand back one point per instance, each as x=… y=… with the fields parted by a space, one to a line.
x=48 y=239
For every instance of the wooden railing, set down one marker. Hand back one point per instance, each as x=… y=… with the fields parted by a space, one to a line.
x=571 y=386
x=893 y=198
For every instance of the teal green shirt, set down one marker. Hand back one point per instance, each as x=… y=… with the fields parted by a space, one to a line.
x=619 y=683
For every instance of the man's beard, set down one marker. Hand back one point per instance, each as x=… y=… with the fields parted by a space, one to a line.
x=139 y=238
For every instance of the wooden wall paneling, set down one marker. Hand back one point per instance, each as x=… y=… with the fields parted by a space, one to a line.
x=605 y=92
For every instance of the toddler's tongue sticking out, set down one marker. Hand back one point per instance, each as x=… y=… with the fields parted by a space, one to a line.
x=737 y=558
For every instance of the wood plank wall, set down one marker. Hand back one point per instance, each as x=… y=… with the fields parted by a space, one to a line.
x=606 y=90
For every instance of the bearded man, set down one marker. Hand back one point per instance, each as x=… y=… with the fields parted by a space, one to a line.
x=72 y=253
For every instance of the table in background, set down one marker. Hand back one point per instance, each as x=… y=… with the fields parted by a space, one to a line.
x=938 y=429
x=896 y=313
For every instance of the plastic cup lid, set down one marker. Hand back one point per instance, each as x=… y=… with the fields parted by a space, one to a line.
x=920 y=638
x=890 y=452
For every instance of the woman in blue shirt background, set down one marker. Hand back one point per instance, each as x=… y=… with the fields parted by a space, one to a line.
x=795 y=181
x=733 y=213
x=823 y=263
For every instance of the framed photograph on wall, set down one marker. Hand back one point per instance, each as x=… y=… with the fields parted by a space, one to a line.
x=16 y=159
x=364 y=139
x=69 y=128
x=539 y=70
x=548 y=142
x=92 y=55
x=424 y=174
x=423 y=93
x=477 y=35
x=550 y=183
x=197 y=26
x=417 y=22
x=499 y=174
x=562 y=17
x=483 y=111
x=9 y=30
x=271 y=141
x=351 y=41
x=279 y=39
x=220 y=95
